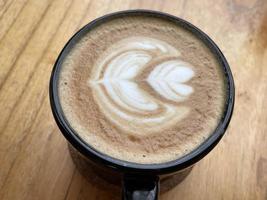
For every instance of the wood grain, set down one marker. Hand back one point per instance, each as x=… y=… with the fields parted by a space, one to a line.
x=34 y=160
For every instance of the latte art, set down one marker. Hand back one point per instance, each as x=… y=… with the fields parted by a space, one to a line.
x=141 y=89
x=120 y=78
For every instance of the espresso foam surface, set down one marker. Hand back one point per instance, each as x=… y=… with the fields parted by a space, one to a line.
x=142 y=89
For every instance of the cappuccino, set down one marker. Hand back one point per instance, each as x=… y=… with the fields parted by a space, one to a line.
x=142 y=89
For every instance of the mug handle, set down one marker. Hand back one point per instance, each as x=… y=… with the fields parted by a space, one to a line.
x=140 y=187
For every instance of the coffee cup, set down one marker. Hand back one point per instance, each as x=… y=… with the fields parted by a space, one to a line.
x=148 y=59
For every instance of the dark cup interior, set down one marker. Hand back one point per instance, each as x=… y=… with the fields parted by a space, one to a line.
x=129 y=167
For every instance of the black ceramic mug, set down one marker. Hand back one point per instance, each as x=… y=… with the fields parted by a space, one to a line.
x=139 y=181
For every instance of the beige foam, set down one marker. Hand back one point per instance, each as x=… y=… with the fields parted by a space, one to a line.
x=153 y=125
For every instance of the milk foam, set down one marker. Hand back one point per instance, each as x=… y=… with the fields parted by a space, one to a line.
x=168 y=80
x=120 y=94
x=142 y=89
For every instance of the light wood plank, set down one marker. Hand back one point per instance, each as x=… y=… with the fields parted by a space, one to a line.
x=4 y=6
x=12 y=9
x=17 y=36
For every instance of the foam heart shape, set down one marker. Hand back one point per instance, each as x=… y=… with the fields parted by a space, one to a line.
x=139 y=85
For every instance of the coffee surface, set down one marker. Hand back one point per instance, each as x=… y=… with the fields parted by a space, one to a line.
x=142 y=89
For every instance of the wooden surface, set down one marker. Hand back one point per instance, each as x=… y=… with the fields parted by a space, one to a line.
x=34 y=160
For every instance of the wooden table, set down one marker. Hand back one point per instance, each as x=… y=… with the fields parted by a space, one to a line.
x=34 y=160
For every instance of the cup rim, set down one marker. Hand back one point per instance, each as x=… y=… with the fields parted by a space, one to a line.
x=126 y=166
